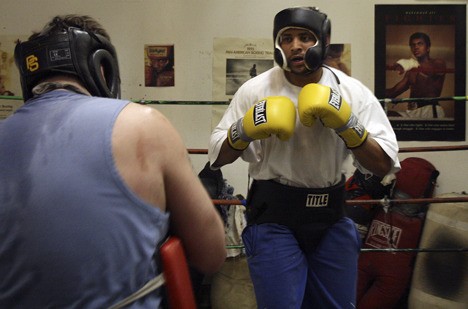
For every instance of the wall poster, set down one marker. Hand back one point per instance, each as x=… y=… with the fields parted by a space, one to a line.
x=159 y=66
x=10 y=86
x=420 y=70
x=237 y=60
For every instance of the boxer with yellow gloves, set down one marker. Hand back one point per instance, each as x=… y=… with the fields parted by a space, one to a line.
x=270 y=116
x=324 y=103
x=301 y=249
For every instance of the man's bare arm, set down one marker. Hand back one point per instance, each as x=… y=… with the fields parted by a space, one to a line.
x=227 y=155
x=371 y=156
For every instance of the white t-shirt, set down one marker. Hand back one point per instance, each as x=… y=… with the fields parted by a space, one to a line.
x=313 y=157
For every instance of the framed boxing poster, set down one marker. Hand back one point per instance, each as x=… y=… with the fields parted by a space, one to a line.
x=420 y=70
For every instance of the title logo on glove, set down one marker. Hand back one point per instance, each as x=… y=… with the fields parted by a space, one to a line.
x=335 y=99
x=260 y=113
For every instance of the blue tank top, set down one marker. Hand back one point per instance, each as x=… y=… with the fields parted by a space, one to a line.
x=72 y=234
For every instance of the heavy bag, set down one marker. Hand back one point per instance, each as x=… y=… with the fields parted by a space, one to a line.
x=440 y=278
x=384 y=278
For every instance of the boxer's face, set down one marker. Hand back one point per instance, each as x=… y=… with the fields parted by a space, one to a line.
x=419 y=48
x=159 y=64
x=294 y=42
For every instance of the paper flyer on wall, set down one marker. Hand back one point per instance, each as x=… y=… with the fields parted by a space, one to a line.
x=237 y=60
x=10 y=86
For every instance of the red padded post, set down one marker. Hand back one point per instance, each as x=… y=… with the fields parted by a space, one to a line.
x=176 y=274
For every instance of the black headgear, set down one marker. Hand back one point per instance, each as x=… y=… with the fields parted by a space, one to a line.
x=73 y=51
x=309 y=18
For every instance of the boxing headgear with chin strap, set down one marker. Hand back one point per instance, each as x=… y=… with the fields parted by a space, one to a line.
x=309 y=18
x=72 y=51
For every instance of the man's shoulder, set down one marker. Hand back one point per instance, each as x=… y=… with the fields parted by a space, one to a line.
x=141 y=112
x=144 y=125
x=438 y=62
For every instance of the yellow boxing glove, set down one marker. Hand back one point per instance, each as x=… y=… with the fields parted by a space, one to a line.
x=321 y=102
x=270 y=116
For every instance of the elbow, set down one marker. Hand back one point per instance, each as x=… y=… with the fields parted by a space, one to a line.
x=217 y=262
x=208 y=254
x=384 y=168
x=213 y=262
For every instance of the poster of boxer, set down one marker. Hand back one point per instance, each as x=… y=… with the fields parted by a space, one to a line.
x=159 y=66
x=420 y=70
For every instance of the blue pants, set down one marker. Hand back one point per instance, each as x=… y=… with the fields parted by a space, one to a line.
x=284 y=277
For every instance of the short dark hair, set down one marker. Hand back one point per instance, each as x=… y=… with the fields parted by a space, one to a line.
x=420 y=35
x=60 y=22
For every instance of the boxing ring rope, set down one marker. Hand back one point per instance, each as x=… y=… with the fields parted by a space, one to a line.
x=393 y=250
x=379 y=202
x=11 y=97
x=402 y=150
x=434 y=200
x=402 y=100
x=384 y=202
x=142 y=101
x=417 y=250
x=161 y=102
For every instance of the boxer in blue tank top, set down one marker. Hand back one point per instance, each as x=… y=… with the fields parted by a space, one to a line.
x=88 y=187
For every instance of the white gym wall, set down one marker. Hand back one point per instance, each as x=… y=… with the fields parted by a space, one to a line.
x=191 y=27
